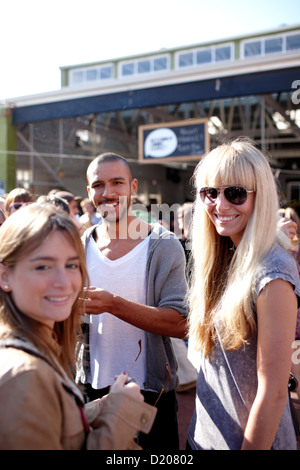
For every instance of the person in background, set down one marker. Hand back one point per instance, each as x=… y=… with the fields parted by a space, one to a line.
x=90 y=216
x=187 y=373
x=56 y=201
x=2 y=203
x=15 y=199
x=243 y=305
x=72 y=201
x=184 y=218
x=137 y=296
x=2 y=217
x=42 y=275
x=73 y=207
x=291 y=221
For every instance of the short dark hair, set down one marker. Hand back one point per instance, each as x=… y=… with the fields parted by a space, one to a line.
x=108 y=157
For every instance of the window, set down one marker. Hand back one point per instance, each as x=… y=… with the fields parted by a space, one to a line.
x=144 y=66
x=160 y=64
x=91 y=74
x=293 y=42
x=252 y=48
x=128 y=69
x=106 y=73
x=270 y=45
x=273 y=45
x=223 y=53
x=186 y=59
x=205 y=55
x=77 y=77
x=24 y=178
x=293 y=192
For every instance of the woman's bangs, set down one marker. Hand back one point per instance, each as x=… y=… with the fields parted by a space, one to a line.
x=227 y=169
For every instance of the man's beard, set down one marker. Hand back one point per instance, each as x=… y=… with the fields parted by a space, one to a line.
x=117 y=210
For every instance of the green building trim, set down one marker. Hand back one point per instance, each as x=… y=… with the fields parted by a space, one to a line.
x=8 y=144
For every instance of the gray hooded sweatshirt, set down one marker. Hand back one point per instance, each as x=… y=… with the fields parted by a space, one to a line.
x=166 y=287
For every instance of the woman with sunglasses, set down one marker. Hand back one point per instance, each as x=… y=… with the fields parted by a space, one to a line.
x=16 y=199
x=42 y=276
x=243 y=305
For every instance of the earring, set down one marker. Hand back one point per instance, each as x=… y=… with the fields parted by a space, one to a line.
x=6 y=287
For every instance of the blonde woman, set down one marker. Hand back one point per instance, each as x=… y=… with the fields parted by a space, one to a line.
x=42 y=276
x=243 y=305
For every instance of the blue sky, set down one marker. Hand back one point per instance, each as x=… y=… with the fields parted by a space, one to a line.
x=37 y=37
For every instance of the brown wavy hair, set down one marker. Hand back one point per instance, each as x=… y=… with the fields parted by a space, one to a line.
x=22 y=233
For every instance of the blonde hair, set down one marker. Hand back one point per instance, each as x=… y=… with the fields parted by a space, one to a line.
x=22 y=233
x=222 y=278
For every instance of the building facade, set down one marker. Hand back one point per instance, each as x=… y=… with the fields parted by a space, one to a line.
x=241 y=86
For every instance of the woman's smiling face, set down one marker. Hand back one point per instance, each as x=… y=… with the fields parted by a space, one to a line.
x=45 y=283
x=230 y=220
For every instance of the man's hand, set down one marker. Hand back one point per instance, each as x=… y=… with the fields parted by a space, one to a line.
x=97 y=300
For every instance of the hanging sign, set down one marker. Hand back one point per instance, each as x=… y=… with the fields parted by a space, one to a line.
x=173 y=141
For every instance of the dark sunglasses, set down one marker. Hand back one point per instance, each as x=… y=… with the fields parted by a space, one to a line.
x=17 y=205
x=236 y=195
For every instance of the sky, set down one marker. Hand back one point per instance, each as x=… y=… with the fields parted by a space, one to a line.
x=37 y=37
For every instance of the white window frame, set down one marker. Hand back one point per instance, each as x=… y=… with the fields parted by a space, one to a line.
x=262 y=40
x=213 y=49
x=135 y=62
x=84 y=71
x=24 y=178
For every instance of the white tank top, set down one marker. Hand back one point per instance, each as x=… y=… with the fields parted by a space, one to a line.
x=113 y=342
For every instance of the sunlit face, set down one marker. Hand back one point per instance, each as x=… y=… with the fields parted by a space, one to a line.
x=230 y=220
x=110 y=188
x=45 y=284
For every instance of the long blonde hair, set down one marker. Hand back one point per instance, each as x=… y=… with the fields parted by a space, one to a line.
x=22 y=233
x=222 y=276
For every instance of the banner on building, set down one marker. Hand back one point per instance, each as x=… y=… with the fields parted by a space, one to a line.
x=173 y=141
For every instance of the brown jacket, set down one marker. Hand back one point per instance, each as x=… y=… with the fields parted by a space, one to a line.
x=40 y=409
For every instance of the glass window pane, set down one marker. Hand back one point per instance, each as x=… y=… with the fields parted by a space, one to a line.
x=223 y=53
x=160 y=63
x=273 y=45
x=252 y=48
x=204 y=56
x=106 y=72
x=295 y=192
x=144 y=66
x=91 y=74
x=77 y=76
x=186 y=59
x=293 y=42
x=128 y=69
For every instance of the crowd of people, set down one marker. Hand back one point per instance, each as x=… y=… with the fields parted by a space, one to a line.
x=95 y=298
